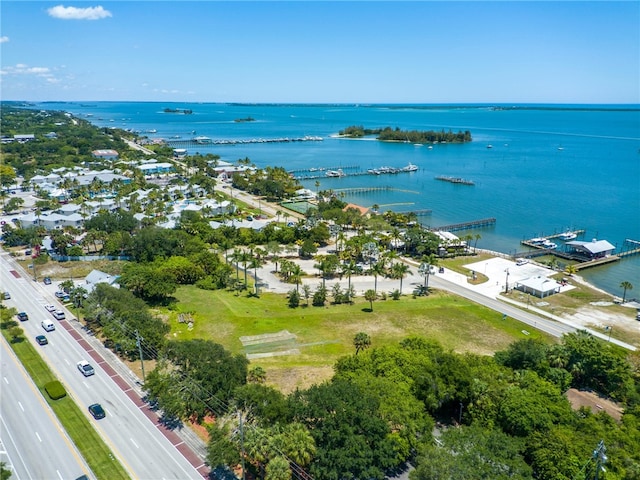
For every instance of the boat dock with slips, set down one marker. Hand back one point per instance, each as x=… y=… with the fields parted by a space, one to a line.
x=629 y=248
x=340 y=172
x=485 y=222
x=458 y=180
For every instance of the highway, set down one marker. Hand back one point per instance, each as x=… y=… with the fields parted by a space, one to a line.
x=35 y=444
x=143 y=449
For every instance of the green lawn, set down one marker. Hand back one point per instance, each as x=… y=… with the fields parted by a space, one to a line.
x=326 y=333
x=78 y=427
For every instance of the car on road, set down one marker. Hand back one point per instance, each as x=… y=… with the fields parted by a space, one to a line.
x=85 y=368
x=48 y=325
x=23 y=317
x=522 y=261
x=60 y=294
x=50 y=308
x=47 y=281
x=7 y=295
x=97 y=411
x=58 y=315
x=42 y=340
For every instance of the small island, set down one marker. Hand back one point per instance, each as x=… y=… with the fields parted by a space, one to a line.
x=247 y=119
x=388 y=134
x=184 y=111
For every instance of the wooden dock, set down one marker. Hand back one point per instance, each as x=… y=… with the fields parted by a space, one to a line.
x=629 y=248
x=485 y=222
x=596 y=262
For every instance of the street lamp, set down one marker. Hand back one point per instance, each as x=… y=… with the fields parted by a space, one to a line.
x=608 y=329
x=506 y=283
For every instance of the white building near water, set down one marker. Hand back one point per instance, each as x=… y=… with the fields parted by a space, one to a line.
x=540 y=286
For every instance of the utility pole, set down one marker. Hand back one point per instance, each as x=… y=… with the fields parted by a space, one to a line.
x=506 y=283
x=244 y=476
x=139 y=344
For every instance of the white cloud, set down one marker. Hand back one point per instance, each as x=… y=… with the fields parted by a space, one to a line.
x=73 y=13
x=22 y=69
x=4 y=39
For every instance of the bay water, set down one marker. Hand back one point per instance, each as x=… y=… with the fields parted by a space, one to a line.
x=537 y=169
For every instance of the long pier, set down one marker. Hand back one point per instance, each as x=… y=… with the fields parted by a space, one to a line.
x=357 y=190
x=323 y=169
x=485 y=222
x=192 y=142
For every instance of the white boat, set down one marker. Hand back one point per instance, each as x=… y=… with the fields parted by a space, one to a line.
x=335 y=173
x=568 y=236
x=202 y=140
x=410 y=168
x=538 y=240
x=549 y=244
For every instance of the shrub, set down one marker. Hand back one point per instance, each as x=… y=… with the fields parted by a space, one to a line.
x=55 y=390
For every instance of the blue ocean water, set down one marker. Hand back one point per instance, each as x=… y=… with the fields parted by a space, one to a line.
x=538 y=169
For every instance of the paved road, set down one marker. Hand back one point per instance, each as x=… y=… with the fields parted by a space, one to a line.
x=146 y=451
x=35 y=444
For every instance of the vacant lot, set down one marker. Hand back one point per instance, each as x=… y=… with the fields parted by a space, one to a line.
x=323 y=334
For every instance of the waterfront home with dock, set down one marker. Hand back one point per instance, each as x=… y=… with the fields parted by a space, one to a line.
x=590 y=250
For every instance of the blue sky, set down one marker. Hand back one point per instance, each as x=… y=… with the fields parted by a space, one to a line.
x=333 y=51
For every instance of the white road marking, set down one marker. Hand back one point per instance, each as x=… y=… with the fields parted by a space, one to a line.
x=38 y=436
x=6 y=380
x=134 y=443
x=21 y=407
x=68 y=363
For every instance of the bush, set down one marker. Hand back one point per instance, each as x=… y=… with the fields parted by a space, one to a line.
x=55 y=390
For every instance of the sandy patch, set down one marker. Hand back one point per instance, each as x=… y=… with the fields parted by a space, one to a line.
x=599 y=317
x=596 y=403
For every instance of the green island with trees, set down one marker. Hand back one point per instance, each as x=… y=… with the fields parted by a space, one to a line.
x=385 y=379
x=388 y=134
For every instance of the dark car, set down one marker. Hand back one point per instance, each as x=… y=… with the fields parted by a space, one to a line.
x=23 y=317
x=97 y=411
x=42 y=340
x=47 y=281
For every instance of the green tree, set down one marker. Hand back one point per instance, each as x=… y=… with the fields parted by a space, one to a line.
x=13 y=205
x=5 y=473
x=469 y=453
x=625 y=286
x=278 y=469
x=361 y=341
x=370 y=296
x=399 y=270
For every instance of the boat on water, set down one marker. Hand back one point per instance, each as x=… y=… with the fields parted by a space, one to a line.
x=410 y=168
x=549 y=244
x=568 y=236
x=153 y=130
x=335 y=173
x=202 y=140
x=537 y=240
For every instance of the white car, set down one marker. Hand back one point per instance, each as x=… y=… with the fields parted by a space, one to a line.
x=85 y=368
x=50 y=308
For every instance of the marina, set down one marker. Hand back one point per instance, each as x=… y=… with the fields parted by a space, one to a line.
x=340 y=172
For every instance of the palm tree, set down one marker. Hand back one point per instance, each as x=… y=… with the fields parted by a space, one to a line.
x=236 y=257
x=399 y=270
x=306 y=291
x=378 y=268
x=428 y=261
x=370 y=296
x=361 y=341
x=296 y=275
x=626 y=286
x=571 y=269
x=476 y=237
x=299 y=445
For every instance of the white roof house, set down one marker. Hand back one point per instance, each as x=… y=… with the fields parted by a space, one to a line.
x=593 y=249
x=540 y=286
x=97 y=276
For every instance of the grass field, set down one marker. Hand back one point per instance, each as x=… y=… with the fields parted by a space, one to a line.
x=95 y=452
x=324 y=334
